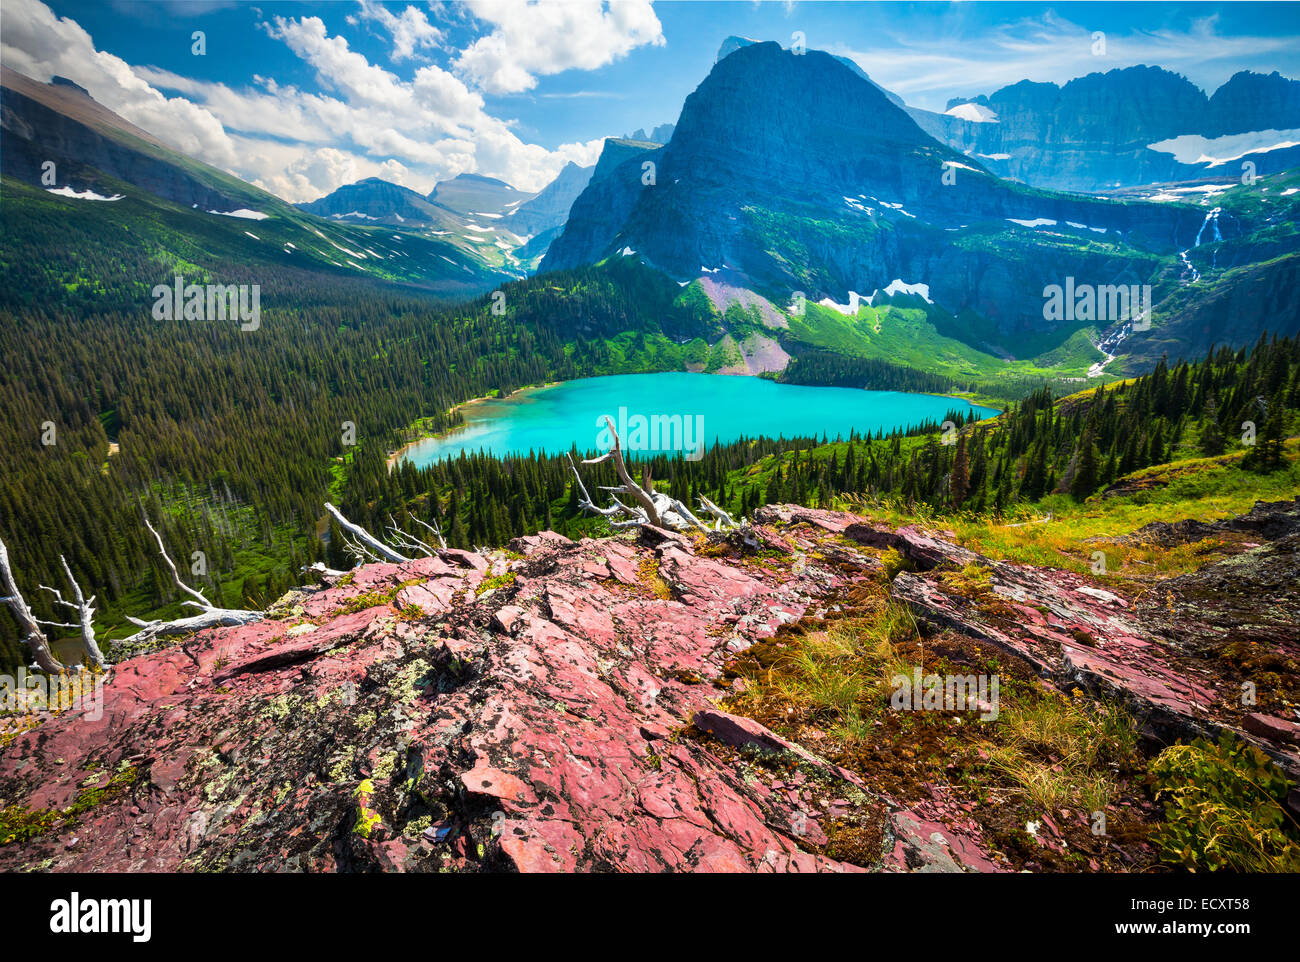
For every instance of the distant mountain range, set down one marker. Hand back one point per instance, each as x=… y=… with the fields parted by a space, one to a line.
x=487 y=217
x=379 y=201
x=659 y=135
x=793 y=178
x=1126 y=128
x=97 y=174
x=794 y=173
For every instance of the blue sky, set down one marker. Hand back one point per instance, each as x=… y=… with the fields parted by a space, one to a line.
x=303 y=97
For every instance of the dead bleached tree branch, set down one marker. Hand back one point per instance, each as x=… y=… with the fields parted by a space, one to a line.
x=366 y=547
x=725 y=522
x=648 y=507
x=209 y=616
x=435 y=530
x=409 y=542
x=85 y=609
x=323 y=573
x=363 y=542
x=34 y=637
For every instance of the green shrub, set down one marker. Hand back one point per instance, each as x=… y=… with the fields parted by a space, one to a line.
x=1225 y=807
x=893 y=562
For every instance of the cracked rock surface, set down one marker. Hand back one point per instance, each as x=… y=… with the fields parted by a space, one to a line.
x=554 y=708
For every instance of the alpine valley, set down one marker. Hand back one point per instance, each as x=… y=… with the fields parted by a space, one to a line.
x=320 y=647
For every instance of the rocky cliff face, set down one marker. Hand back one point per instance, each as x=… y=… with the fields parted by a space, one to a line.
x=799 y=174
x=555 y=708
x=89 y=143
x=596 y=216
x=1094 y=133
x=550 y=208
x=1252 y=101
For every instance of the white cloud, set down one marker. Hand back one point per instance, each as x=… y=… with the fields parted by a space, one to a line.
x=41 y=45
x=365 y=122
x=410 y=32
x=927 y=69
x=532 y=38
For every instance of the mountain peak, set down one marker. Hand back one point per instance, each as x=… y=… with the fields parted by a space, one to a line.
x=65 y=82
x=478 y=179
x=731 y=45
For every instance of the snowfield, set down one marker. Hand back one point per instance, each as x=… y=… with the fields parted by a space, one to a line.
x=975 y=113
x=87 y=194
x=1213 y=151
x=243 y=213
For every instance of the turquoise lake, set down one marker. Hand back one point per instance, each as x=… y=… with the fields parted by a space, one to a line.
x=674 y=412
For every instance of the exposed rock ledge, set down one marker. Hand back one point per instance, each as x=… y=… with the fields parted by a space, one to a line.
x=567 y=720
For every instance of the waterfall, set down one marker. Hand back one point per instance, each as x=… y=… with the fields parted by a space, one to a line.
x=1212 y=219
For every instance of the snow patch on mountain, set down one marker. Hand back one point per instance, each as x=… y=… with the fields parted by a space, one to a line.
x=243 y=213
x=975 y=113
x=1213 y=151
x=1173 y=193
x=84 y=195
x=899 y=286
x=850 y=309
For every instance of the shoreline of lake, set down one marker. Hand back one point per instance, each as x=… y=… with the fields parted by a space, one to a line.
x=395 y=456
x=561 y=419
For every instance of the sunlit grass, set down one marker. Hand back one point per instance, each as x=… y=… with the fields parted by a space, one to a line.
x=1058 y=532
x=1047 y=749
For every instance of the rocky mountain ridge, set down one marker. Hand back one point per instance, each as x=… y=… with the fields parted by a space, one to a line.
x=797 y=174
x=481 y=213
x=91 y=148
x=1122 y=128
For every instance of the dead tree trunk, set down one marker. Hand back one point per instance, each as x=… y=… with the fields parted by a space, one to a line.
x=210 y=616
x=649 y=507
x=85 y=610
x=363 y=543
x=366 y=547
x=35 y=637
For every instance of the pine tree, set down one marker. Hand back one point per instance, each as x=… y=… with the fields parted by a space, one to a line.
x=1213 y=443
x=959 y=484
x=1085 y=470
x=1266 y=455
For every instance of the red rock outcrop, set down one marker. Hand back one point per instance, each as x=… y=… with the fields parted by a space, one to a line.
x=550 y=708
